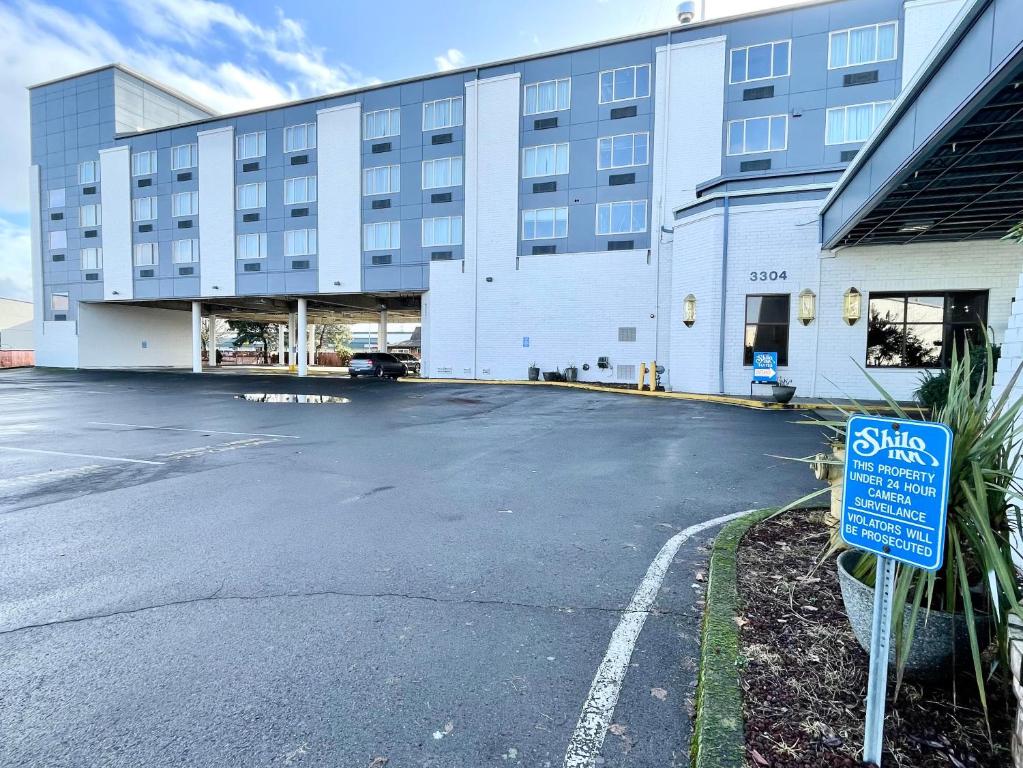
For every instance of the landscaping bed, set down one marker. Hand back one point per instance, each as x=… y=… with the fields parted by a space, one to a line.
x=803 y=675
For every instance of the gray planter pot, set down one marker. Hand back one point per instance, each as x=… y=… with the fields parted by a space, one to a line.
x=938 y=635
x=571 y=373
x=783 y=393
x=534 y=373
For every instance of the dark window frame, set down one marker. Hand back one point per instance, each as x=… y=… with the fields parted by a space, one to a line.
x=747 y=352
x=949 y=325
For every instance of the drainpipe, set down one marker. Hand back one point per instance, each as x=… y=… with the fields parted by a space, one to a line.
x=724 y=299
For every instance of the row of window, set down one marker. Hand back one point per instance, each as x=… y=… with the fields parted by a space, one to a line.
x=904 y=330
x=769 y=133
x=868 y=44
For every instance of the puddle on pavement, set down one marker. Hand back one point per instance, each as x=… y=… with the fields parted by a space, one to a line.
x=274 y=397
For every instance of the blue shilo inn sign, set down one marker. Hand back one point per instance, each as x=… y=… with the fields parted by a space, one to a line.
x=894 y=504
x=896 y=489
x=765 y=367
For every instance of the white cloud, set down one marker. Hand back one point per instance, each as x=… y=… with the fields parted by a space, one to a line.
x=15 y=267
x=205 y=49
x=453 y=59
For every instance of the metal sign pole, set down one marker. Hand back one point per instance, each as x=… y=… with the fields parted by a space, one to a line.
x=880 y=637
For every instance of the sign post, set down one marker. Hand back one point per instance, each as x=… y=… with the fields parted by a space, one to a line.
x=894 y=505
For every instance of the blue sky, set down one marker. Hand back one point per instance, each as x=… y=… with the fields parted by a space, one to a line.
x=238 y=55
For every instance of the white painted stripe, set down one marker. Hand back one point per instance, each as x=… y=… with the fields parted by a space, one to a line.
x=599 y=707
x=78 y=455
x=184 y=429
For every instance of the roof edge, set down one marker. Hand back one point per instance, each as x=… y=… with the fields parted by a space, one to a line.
x=706 y=23
x=117 y=66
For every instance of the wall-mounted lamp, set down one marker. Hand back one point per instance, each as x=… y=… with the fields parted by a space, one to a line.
x=807 y=306
x=689 y=310
x=851 y=306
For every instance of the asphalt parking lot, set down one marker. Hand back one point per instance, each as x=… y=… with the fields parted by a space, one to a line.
x=427 y=575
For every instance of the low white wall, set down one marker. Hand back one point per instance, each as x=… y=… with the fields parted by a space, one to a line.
x=115 y=336
x=57 y=344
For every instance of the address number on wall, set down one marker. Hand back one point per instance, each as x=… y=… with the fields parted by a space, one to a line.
x=767 y=277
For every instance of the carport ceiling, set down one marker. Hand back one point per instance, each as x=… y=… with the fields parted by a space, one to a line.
x=969 y=188
x=339 y=308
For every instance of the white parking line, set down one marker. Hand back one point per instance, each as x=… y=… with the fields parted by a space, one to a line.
x=599 y=707
x=78 y=455
x=183 y=429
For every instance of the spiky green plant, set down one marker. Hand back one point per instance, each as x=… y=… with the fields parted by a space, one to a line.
x=979 y=575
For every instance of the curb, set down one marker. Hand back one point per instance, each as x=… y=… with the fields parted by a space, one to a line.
x=718 y=739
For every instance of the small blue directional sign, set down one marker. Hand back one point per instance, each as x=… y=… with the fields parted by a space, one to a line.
x=765 y=367
x=525 y=341
x=896 y=489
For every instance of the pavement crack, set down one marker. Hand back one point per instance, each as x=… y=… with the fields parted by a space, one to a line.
x=216 y=596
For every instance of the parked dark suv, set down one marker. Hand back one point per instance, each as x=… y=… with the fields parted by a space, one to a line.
x=380 y=364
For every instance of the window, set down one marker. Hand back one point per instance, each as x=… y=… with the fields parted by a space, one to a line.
x=55 y=198
x=759 y=62
x=758 y=134
x=88 y=172
x=544 y=223
x=252 y=246
x=89 y=216
x=185 y=204
x=767 y=327
x=381 y=180
x=624 y=83
x=92 y=258
x=250 y=195
x=855 y=122
x=250 y=145
x=623 y=150
x=442 y=113
x=58 y=239
x=143 y=163
x=544 y=160
x=298 y=137
x=548 y=96
x=627 y=333
x=60 y=302
x=381 y=236
x=300 y=242
x=147 y=254
x=443 y=230
x=300 y=190
x=442 y=172
x=862 y=45
x=184 y=156
x=383 y=122
x=908 y=330
x=143 y=209
x=185 y=251
x=621 y=218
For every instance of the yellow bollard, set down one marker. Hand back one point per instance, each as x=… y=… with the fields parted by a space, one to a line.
x=653 y=376
x=642 y=376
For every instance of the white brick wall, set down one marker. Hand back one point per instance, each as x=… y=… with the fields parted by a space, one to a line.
x=115 y=197
x=216 y=212
x=824 y=357
x=984 y=265
x=339 y=155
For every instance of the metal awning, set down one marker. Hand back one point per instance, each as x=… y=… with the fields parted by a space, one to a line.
x=947 y=163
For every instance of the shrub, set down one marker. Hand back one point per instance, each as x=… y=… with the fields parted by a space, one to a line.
x=933 y=390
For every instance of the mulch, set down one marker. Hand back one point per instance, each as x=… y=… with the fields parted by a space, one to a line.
x=804 y=676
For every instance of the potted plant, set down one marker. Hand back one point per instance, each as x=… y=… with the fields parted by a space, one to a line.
x=783 y=391
x=571 y=373
x=534 y=372
x=977 y=588
x=554 y=375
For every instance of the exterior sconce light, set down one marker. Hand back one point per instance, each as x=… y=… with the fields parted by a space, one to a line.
x=807 y=306
x=689 y=310
x=851 y=306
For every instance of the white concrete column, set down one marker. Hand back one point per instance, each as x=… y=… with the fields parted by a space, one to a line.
x=196 y=337
x=291 y=339
x=382 y=331
x=212 y=343
x=312 y=344
x=282 y=340
x=303 y=339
